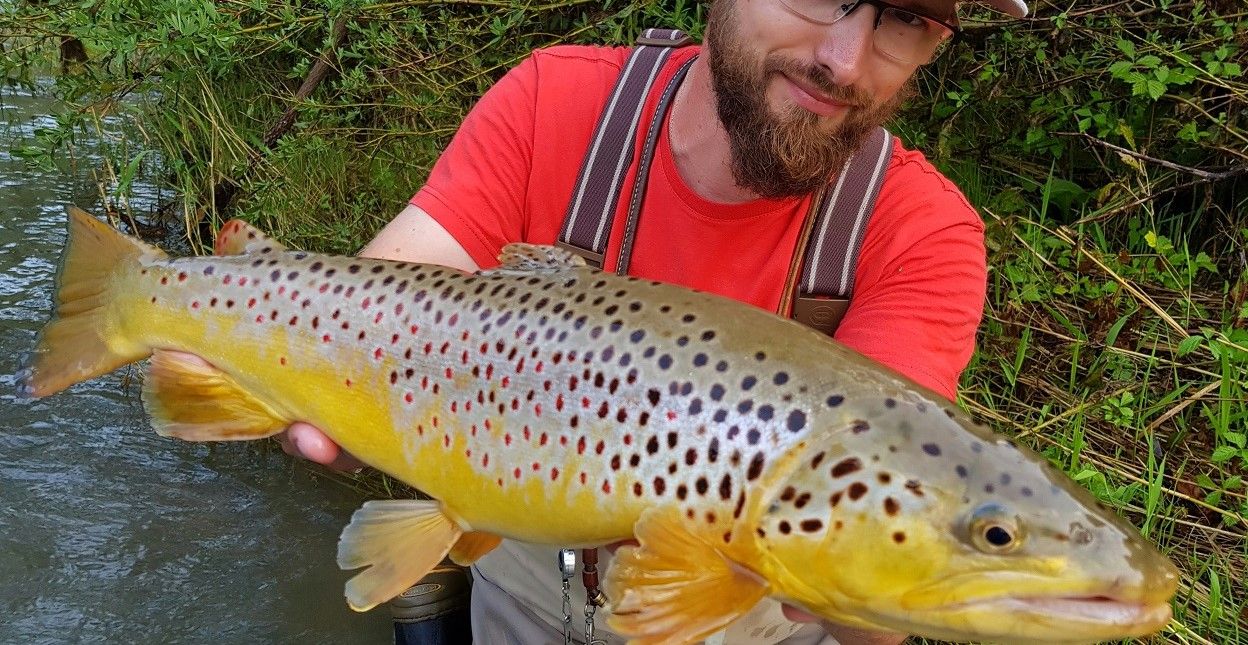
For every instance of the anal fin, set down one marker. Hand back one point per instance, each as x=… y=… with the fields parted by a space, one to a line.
x=399 y=541
x=676 y=587
x=189 y=399
x=472 y=546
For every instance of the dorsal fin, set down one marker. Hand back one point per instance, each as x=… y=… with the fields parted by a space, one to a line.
x=237 y=237
x=535 y=258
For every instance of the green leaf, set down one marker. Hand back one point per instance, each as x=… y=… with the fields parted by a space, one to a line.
x=1223 y=453
x=1155 y=88
x=1127 y=47
x=1189 y=345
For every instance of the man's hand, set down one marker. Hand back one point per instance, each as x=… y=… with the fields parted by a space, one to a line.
x=307 y=441
x=845 y=635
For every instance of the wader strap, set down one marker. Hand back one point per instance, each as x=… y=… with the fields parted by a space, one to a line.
x=830 y=249
x=587 y=223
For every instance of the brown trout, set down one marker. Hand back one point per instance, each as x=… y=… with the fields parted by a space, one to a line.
x=549 y=402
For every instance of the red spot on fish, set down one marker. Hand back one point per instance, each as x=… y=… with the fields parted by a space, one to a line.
x=563 y=440
x=473 y=430
x=420 y=429
x=182 y=276
x=584 y=477
x=449 y=373
x=281 y=290
x=580 y=446
x=463 y=358
x=446 y=440
x=527 y=433
x=554 y=474
x=414 y=329
x=408 y=397
x=454 y=406
x=428 y=348
x=489 y=372
x=377 y=353
x=506 y=381
x=542 y=440
x=485 y=460
x=628 y=439
x=226 y=279
x=377 y=318
x=445 y=346
x=606 y=487
x=294 y=320
x=424 y=382
x=325 y=338
x=671 y=416
x=488 y=425
x=516 y=472
x=537 y=466
x=242 y=281
x=367 y=301
x=164 y=279
x=452 y=320
x=464 y=336
x=585 y=402
x=507 y=439
x=260 y=319
x=282 y=360
x=434 y=420
x=212 y=302
x=195 y=304
x=538 y=368
x=394 y=340
x=251 y=302
x=537 y=410
x=520 y=366
x=600 y=447
x=324 y=288
x=347 y=382
x=468 y=453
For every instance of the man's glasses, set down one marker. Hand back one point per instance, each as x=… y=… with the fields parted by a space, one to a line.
x=900 y=33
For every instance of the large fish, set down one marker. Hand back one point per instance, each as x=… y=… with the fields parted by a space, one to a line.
x=549 y=402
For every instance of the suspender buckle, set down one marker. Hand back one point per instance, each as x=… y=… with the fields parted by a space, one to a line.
x=591 y=258
x=823 y=314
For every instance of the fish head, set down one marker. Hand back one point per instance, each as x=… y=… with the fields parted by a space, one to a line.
x=906 y=515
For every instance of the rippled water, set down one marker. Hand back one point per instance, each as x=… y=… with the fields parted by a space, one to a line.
x=110 y=533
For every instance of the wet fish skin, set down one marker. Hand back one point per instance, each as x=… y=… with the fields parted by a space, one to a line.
x=549 y=402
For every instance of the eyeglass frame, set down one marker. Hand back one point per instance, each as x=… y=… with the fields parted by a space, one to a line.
x=880 y=7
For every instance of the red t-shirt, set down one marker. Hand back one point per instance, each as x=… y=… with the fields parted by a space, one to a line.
x=509 y=172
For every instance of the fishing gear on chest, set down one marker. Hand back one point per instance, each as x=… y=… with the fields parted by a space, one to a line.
x=819 y=282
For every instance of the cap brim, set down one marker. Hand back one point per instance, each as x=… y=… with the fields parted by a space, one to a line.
x=1015 y=8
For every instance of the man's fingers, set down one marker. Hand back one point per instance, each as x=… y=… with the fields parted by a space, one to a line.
x=304 y=440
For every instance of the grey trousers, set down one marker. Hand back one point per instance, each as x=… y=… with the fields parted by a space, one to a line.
x=500 y=619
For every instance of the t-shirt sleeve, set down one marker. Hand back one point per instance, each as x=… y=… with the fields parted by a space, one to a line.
x=477 y=188
x=921 y=281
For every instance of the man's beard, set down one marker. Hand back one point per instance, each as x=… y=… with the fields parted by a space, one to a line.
x=796 y=152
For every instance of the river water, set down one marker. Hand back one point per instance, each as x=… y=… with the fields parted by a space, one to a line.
x=110 y=533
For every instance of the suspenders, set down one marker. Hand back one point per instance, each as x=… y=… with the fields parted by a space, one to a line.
x=821 y=273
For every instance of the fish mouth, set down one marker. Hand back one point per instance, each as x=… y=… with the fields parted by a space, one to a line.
x=1081 y=614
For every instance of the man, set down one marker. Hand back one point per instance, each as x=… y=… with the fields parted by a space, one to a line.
x=780 y=94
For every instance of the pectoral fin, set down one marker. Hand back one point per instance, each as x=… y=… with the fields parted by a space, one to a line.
x=399 y=541
x=195 y=401
x=472 y=546
x=676 y=587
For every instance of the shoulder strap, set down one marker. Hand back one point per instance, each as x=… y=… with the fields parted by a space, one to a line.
x=587 y=223
x=829 y=249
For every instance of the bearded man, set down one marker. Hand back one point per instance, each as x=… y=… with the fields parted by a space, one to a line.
x=781 y=93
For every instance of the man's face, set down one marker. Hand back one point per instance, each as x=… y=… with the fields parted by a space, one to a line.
x=798 y=98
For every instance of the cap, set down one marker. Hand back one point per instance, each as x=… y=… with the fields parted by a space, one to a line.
x=1016 y=8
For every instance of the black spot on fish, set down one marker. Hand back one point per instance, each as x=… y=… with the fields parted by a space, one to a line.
x=659 y=486
x=857 y=490
x=796 y=421
x=931 y=449
x=1005 y=479
x=846 y=466
x=835 y=400
x=890 y=403
x=756 y=467
x=721 y=366
x=672 y=438
x=652 y=446
x=784 y=527
x=699 y=360
x=765 y=412
x=717 y=392
x=665 y=361
x=720 y=415
x=725 y=487
x=682 y=491
x=745 y=406
x=891 y=506
x=712 y=451
x=811 y=526
x=859 y=426
x=708 y=335
x=701 y=486
x=748 y=382
x=752 y=436
x=653 y=396
x=960 y=470
x=780 y=378
x=695 y=406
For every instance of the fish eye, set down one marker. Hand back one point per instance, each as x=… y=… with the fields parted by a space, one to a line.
x=993 y=531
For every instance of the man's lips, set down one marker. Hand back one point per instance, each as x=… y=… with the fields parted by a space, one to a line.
x=812 y=99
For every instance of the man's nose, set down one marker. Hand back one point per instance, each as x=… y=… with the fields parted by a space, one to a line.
x=847 y=45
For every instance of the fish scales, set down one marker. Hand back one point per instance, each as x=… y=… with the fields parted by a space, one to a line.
x=550 y=402
x=484 y=372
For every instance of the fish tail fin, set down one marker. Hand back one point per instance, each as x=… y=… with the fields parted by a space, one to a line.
x=81 y=341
